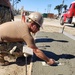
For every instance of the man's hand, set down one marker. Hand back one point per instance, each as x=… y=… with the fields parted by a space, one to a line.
x=51 y=62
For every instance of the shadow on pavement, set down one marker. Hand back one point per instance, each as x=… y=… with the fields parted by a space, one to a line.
x=54 y=56
x=48 y=40
x=21 y=61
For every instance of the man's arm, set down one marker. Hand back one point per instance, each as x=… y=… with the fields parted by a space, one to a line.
x=42 y=56
x=30 y=43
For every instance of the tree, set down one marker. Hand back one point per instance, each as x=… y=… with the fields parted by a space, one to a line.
x=19 y=0
x=15 y=1
x=59 y=9
x=65 y=7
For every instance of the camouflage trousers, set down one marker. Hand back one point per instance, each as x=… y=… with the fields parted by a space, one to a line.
x=5 y=14
x=6 y=47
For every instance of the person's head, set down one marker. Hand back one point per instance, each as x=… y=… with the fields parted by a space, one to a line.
x=36 y=20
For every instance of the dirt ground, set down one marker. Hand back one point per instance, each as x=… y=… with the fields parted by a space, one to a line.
x=16 y=67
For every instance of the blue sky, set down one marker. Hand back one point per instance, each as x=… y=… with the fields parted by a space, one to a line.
x=41 y=5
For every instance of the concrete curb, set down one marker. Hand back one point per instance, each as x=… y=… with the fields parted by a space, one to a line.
x=67 y=34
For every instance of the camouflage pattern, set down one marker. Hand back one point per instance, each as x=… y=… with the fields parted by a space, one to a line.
x=6 y=47
x=5 y=14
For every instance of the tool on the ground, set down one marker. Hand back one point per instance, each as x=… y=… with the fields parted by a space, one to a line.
x=25 y=63
x=63 y=28
x=56 y=64
x=27 y=51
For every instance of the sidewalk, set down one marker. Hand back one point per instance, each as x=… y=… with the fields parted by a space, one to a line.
x=52 y=22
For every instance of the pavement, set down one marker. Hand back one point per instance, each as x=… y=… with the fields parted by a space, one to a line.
x=56 y=46
x=51 y=22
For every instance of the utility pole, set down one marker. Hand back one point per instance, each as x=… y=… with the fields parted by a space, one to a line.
x=62 y=5
x=63 y=2
x=49 y=7
x=45 y=11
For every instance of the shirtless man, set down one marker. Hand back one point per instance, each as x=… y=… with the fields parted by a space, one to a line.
x=20 y=31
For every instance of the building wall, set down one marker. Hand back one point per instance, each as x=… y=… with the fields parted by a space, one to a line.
x=50 y=15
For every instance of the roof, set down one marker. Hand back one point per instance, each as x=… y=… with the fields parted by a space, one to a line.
x=73 y=2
